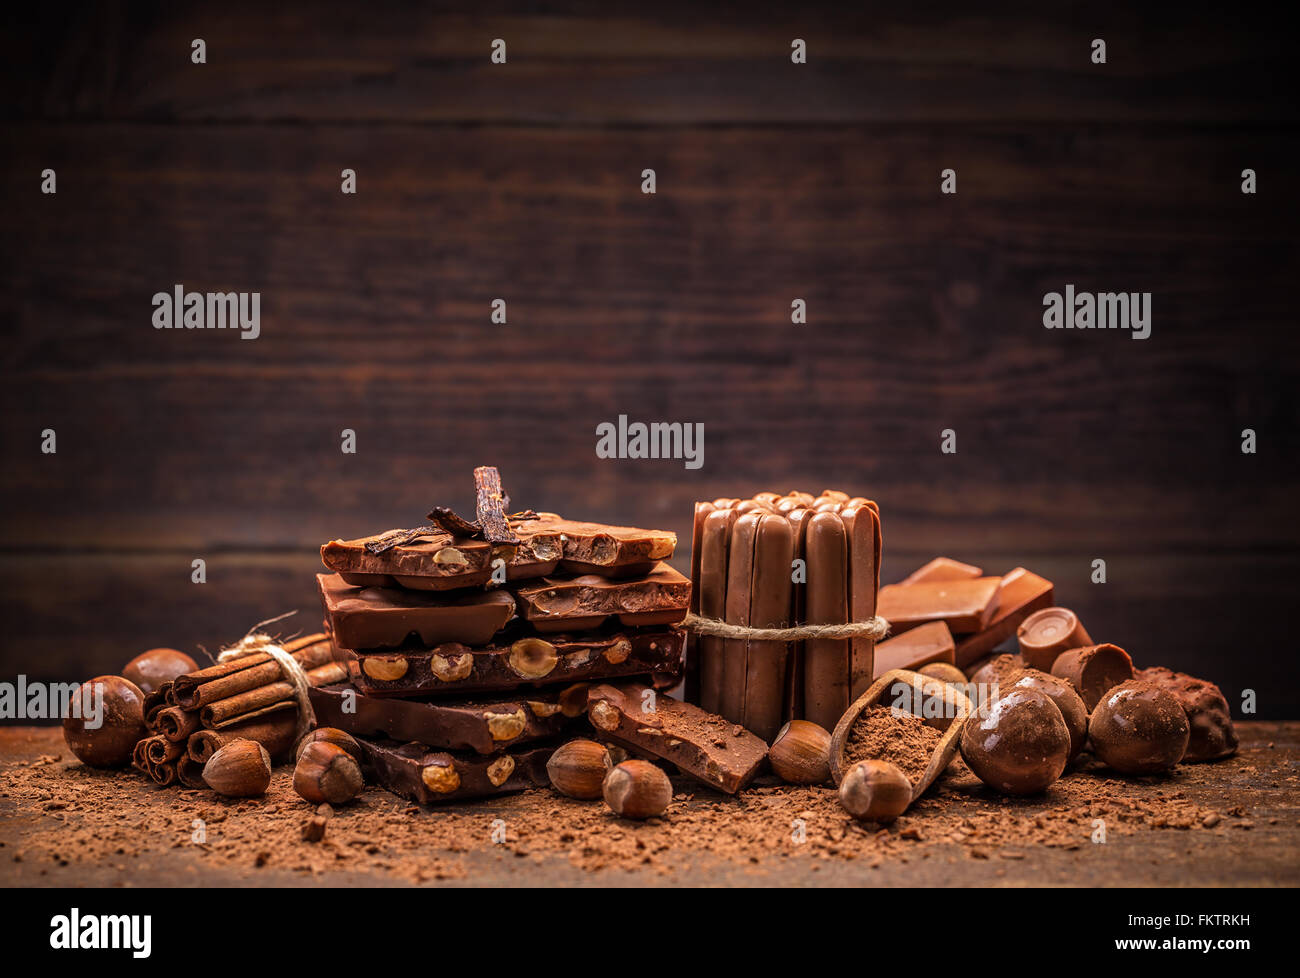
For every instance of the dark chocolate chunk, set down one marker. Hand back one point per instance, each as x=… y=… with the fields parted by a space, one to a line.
x=437 y=777
x=381 y=618
x=568 y=604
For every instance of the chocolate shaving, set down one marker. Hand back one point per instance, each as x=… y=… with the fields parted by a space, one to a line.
x=492 y=503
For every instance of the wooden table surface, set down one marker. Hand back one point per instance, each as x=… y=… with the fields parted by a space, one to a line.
x=1256 y=842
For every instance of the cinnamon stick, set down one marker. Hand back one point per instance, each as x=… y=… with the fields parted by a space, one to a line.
x=491 y=507
x=176 y=724
x=275 y=734
x=154 y=702
x=189 y=772
x=260 y=698
x=164 y=773
x=225 y=679
x=159 y=750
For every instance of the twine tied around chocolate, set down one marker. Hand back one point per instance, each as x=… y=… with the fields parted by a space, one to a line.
x=255 y=641
x=873 y=628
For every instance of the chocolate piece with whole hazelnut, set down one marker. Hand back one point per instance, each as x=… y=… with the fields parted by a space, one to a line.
x=703 y=745
x=801 y=753
x=567 y=604
x=1020 y=593
x=578 y=768
x=435 y=777
x=1073 y=712
x=1211 y=734
x=1139 y=728
x=241 y=769
x=1017 y=744
x=327 y=772
x=1047 y=633
x=916 y=647
x=105 y=721
x=384 y=618
x=1093 y=670
x=455 y=669
x=637 y=789
x=149 y=670
x=483 y=725
x=876 y=791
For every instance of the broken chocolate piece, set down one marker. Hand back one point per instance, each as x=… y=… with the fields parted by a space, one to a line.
x=454 y=668
x=484 y=726
x=1020 y=593
x=943 y=569
x=1212 y=733
x=966 y=605
x=435 y=777
x=916 y=647
x=381 y=618
x=568 y=604
x=703 y=745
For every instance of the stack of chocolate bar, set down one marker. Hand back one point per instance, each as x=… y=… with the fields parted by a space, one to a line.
x=471 y=645
x=771 y=562
x=948 y=611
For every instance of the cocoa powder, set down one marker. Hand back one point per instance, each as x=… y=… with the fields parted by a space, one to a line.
x=885 y=734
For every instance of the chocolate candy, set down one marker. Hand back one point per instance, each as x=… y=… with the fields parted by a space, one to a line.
x=705 y=746
x=382 y=618
x=440 y=561
x=485 y=725
x=457 y=669
x=943 y=569
x=715 y=551
x=436 y=777
x=1047 y=633
x=1020 y=593
x=1139 y=728
x=763 y=704
x=105 y=721
x=1017 y=744
x=1073 y=712
x=1093 y=670
x=999 y=670
x=149 y=670
x=965 y=605
x=556 y=604
x=916 y=647
x=1211 y=734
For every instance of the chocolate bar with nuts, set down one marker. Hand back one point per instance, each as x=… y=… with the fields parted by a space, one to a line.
x=560 y=604
x=484 y=726
x=438 y=560
x=528 y=660
x=436 y=777
x=703 y=745
x=382 y=618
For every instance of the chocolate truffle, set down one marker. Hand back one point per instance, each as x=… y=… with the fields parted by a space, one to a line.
x=1047 y=633
x=106 y=719
x=1139 y=728
x=1093 y=670
x=1017 y=744
x=151 y=669
x=945 y=672
x=1211 y=732
x=1067 y=701
x=999 y=670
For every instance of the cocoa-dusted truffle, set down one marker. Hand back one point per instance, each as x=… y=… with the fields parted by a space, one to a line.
x=1211 y=732
x=151 y=669
x=1073 y=712
x=1093 y=670
x=105 y=721
x=1139 y=728
x=1017 y=744
x=1000 y=670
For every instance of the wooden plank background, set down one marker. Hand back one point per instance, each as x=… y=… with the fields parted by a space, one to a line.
x=521 y=181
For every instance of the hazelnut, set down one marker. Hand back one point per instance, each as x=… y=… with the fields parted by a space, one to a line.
x=505 y=726
x=944 y=672
x=532 y=658
x=578 y=768
x=331 y=735
x=451 y=668
x=450 y=556
x=1073 y=712
x=149 y=670
x=801 y=753
x=385 y=669
x=618 y=650
x=327 y=772
x=604 y=715
x=240 y=769
x=440 y=778
x=1139 y=728
x=105 y=721
x=876 y=791
x=1017 y=744
x=499 y=771
x=637 y=789
x=573 y=700
x=543 y=710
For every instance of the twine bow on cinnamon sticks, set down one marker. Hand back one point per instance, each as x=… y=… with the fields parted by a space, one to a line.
x=874 y=628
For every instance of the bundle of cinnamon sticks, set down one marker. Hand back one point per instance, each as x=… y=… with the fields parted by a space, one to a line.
x=248 y=698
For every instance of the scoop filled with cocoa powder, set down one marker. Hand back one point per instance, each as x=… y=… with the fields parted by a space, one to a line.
x=885 y=734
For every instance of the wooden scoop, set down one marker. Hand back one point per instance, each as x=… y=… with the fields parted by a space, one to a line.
x=956 y=708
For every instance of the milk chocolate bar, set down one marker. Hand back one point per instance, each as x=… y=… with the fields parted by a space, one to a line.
x=1020 y=593
x=966 y=605
x=381 y=618
x=942 y=569
x=556 y=604
x=456 y=669
x=916 y=647
x=435 y=777
x=703 y=745
x=484 y=726
x=439 y=560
